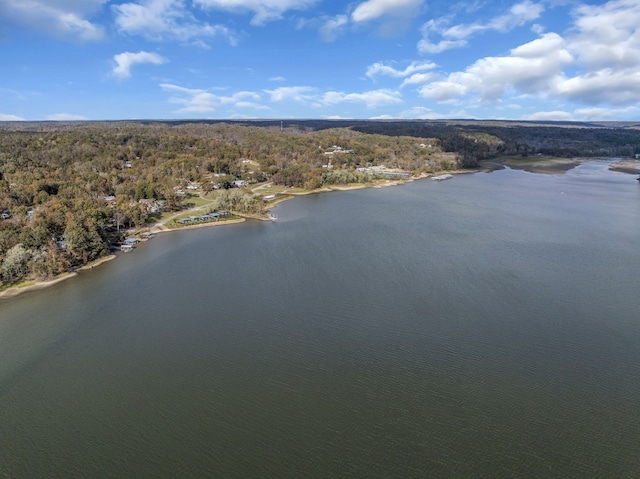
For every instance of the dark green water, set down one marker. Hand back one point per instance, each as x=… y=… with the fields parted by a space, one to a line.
x=482 y=327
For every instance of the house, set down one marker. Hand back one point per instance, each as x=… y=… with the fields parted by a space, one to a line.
x=239 y=183
x=152 y=206
x=127 y=248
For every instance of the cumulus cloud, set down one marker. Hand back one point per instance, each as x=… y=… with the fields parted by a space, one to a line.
x=372 y=99
x=166 y=19
x=596 y=63
x=65 y=18
x=314 y=97
x=292 y=93
x=457 y=36
x=374 y=9
x=418 y=79
x=263 y=10
x=607 y=47
x=195 y=100
x=532 y=68
x=124 y=62
x=609 y=36
x=603 y=86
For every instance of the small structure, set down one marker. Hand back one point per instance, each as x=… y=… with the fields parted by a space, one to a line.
x=441 y=177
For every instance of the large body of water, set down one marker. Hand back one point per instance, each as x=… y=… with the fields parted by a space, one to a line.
x=482 y=327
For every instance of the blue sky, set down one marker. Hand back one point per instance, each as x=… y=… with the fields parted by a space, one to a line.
x=368 y=59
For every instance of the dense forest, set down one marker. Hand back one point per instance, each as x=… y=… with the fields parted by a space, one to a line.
x=69 y=190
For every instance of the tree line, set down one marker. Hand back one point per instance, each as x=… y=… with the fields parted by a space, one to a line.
x=68 y=190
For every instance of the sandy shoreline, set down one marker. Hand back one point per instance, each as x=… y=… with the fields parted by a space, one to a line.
x=35 y=285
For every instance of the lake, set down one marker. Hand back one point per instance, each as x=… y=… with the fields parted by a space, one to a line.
x=486 y=326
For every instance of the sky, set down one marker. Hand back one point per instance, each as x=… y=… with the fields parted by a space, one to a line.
x=562 y=60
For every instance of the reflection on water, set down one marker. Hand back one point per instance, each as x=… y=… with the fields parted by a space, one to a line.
x=485 y=326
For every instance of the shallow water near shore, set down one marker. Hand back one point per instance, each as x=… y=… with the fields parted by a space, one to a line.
x=486 y=326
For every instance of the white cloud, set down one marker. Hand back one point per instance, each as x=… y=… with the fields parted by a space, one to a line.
x=372 y=99
x=457 y=36
x=312 y=96
x=418 y=79
x=166 y=19
x=7 y=117
x=380 y=68
x=292 y=93
x=533 y=68
x=124 y=62
x=609 y=36
x=65 y=117
x=606 y=44
x=603 y=86
x=195 y=100
x=333 y=27
x=419 y=113
x=263 y=10
x=57 y=17
x=518 y=15
x=425 y=45
x=374 y=9
x=277 y=79
x=596 y=63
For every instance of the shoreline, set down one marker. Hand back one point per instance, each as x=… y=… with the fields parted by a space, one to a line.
x=32 y=285
x=158 y=228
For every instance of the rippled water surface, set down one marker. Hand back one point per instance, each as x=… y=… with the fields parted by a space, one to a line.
x=486 y=326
